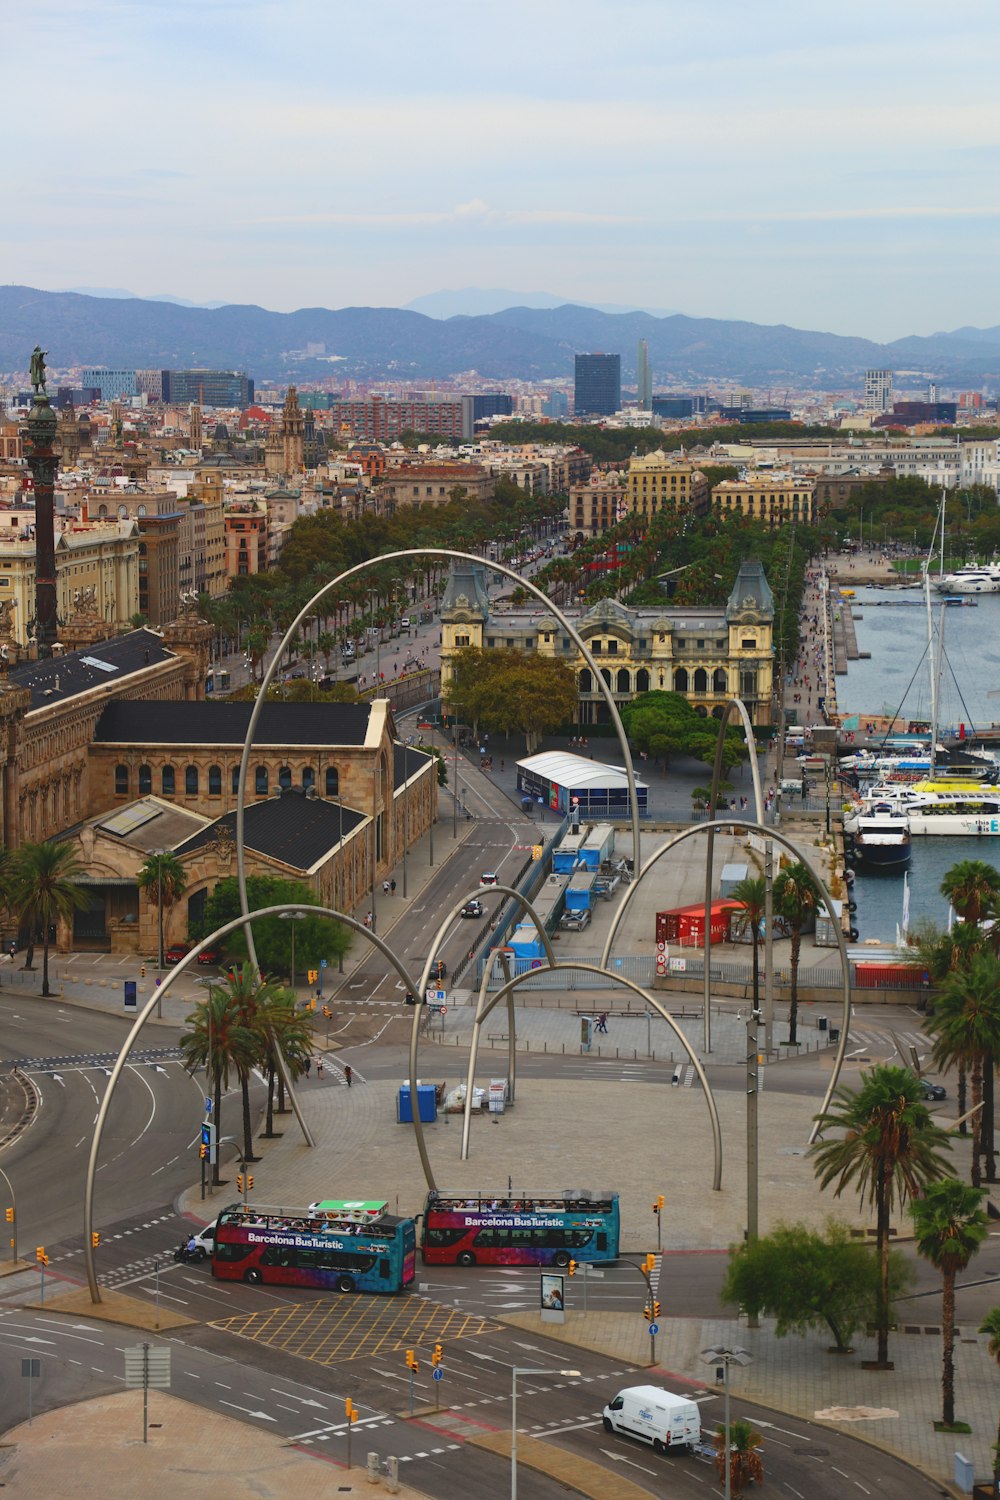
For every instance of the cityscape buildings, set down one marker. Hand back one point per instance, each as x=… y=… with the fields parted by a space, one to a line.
x=644 y=377
x=597 y=388
x=878 y=390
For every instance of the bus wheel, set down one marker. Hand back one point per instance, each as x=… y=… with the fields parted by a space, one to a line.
x=561 y=1258
x=466 y=1258
x=345 y=1284
x=253 y=1277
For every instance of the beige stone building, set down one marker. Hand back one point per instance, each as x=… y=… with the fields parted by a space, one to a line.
x=770 y=498
x=710 y=655
x=97 y=559
x=663 y=481
x=431 y=484
x=595 y=507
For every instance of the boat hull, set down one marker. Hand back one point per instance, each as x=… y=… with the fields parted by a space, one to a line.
x=882 y=856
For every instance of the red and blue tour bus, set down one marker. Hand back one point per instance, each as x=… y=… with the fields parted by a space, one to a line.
x=531 y=1229
x=321 y=1248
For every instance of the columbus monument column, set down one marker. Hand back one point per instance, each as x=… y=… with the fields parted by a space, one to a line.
x=42 y=462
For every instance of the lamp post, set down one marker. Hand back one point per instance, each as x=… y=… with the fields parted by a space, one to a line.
x=515 y=1371
x=293 y=917
x=373 y=594
x=725 y=1358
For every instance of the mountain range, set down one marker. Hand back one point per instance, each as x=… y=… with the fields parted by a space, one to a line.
x=474 y=301
x=514 y=343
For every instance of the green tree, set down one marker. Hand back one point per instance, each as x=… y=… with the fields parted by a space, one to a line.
x=804 y=1279
x=950 y=1226
x=506 y=690
x=966 y=1025
x=218 y=1040
x=971 y=886
x=751 y=893
x=664 y=724
x=315 y=937
x=991 y=1327
x=283 y=1027
x=746 y=1463
x=796 y=898
x=163 y=879
x=44 y=891
x=254 y=1000
x=889 y=1147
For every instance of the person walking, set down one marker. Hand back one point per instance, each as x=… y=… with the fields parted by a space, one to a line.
x=319 y=1067
x=602 y=1022
x=392 y=887
x=348 y=1073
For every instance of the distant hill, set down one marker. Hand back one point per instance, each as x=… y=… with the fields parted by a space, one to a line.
x=118 y=291
x=477 y=301
x=516 y=342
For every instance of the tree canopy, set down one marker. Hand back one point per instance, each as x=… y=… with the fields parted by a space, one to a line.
x=315 y=937
x=665 y=724
x=505 y=690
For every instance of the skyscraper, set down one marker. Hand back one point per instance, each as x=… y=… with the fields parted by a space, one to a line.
x=598 y=385
x=878 y=390
x=643 y=377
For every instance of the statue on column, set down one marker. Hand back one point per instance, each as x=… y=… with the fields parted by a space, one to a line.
x=38 y=369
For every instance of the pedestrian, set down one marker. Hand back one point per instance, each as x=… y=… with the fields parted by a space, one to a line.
x=368 y=921
x=385 y=887
x=501 y=762
x=348 y=1073
x=602 y=1022
x=308 y=1067
x=392 y=887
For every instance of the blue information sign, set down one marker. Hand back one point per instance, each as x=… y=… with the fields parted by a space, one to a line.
x=438 y=1374
x=654 y=1329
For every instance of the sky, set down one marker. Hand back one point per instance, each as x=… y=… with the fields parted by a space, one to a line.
x=828 y=167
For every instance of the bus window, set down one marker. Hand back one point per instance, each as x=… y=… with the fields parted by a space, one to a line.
x=383 y=1269
x=232 y=1252
x=602 y=1240
x=445 y=1236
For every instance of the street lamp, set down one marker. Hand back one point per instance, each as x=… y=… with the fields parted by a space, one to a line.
x=725 y=1358
x=293 y=917
x=515 y=1371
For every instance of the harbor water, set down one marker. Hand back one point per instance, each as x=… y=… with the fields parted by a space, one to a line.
x=893 y=628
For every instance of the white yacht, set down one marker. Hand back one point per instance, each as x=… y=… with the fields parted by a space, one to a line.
x=971 y=580
x=951 y=807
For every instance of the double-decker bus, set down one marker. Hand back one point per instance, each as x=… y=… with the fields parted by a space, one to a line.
x=530 y=1229
x=301 y=1248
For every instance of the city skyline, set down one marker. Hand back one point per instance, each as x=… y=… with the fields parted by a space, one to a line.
x=768 y=170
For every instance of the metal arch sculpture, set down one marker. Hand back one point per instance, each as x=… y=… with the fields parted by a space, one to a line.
x=146 y=1012
x=781 y=838
x=507 y=990
x=261 y=698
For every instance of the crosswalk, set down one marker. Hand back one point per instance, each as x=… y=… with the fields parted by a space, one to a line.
x=888 y=1044
x=69 y=1061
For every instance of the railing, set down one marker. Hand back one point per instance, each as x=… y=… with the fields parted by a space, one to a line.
x=642 y=970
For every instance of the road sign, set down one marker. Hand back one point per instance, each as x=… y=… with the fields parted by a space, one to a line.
x=654 y=1329
x=322 y=963
x=436 y=997
x=444 y=1010
x=438 y=1374
x=147 y=1365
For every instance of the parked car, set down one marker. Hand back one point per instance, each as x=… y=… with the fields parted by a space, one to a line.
x=934 y=1091
x=574 y=921
x=472 y=908
x=404 y=623
x=176 y=952
x=210 y=956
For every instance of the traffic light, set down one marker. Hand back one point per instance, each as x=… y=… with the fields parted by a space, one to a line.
x=656 y=1309
x=649 y=1264
x=328 y=1013
x=658 y=1204
x=203 y=1151
x=142 y=971
x=10 y=1216
x=239 y=1182
x=571 y=1268
x=412 y=1363
x=647 y=1313
x=250 y=1183
x=350 y=1410
x=95 y=1238
x=437 y=1356
x=41 y=1257
x=312 y=975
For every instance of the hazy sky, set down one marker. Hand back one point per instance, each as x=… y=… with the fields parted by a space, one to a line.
x=831 y=167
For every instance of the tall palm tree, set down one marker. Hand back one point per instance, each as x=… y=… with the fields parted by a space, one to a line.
x=43 y=891
x=971 y=886
x=746 y=1465
x=253 y=998
x=751 y=892
x=218 y=1041
x=991 y=1326
x=966 y=1025
x=283 y=1026
x=796 y=898
x=890 y=1147
x=163 y=879
x=950 y=1226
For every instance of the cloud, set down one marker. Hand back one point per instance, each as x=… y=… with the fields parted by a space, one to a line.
x=476 y=211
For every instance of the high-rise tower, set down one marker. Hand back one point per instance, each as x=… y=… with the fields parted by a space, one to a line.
x=643 y=377
x=598 y=385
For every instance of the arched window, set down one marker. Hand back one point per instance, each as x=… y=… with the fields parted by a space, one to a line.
x=191 y=781
x=285 y=778
x=718 y=711
x=624 y=681
x=332 y=781
x=701 y=680
x=260 y=781
x=606 y=674
x=642 y=681
x=308 y=778
x=145 y=781
x=168 y=781
x=121 y=781
x=236 y=779
x=586 y=681
x=215 y=781
x=720 y=682
x=681 y=680
x=701 y=710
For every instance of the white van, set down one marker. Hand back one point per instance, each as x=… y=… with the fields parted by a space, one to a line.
x=655 y=1416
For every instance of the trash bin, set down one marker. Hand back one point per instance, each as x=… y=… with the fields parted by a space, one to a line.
x=835 y=1033
x=821 y=1022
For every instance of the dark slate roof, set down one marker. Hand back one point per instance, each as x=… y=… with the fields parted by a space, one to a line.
x=76 y=671
x=294 y=828
x=280 y=724
x=406 y=762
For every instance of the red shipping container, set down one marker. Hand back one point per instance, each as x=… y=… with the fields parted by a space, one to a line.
x=685 y=925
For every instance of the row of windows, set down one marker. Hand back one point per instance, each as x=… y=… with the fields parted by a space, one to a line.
x=192 y=780
x=684 y=681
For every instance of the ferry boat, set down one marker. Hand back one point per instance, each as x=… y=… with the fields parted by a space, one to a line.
x=971 y=580
x=951 y=808
x=882 y=837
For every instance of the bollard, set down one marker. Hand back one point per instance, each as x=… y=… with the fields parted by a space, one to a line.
x=373 y=1469
x=392 y=1475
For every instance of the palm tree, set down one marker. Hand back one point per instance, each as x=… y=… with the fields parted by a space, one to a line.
x=284 y=1027
x=751 y=892
x=253 y=998
x=966 y=1024
x=163 y=879
x=890 y=1147
x=44 y=890
x=991 y=1326
x=796 y=898
x=218 y=1041
x=950 y=1226
x=746 y=1466
x=971 y=886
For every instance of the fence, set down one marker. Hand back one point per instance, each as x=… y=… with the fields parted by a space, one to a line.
x=642 y=970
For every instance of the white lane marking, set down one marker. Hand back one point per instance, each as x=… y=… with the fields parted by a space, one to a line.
x=263 y=1415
